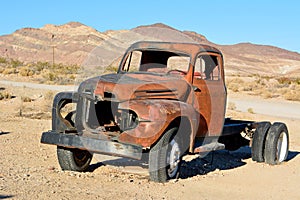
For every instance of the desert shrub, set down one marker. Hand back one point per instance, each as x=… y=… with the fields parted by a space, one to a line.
x=25 y=71
x=5 y=95
x=40 y=66
x=63 y=69
x=284 y=80
x=250 y=86
x=237 y=80
x=42 y=71
x=267 y=94
x=247 y=88
x=50 y=76
x=267 y=77
x=72 y=77
x=288 y=81
x=111 y=69
x=261 y=81
x=231 y=106
x=57 y=73
x=297 y=81
x=292 y=95
x=3 y=60
x=9 y=71
x=250 y=110
x=26 y=99
x=233 y=86
x=15 y=63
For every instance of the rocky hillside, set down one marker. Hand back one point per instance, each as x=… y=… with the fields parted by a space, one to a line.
x=76 y=43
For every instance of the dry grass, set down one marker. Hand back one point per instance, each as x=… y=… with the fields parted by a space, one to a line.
x=5 y=95
x=47 y=101
x=293 y=94
x=234 y=84
x=267 y=87
x=250 y=110
x=36 y=107
x=231 y=106
x=42 y=72
x=26 y=99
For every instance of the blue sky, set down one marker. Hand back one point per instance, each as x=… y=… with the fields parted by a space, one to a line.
x=270 y=22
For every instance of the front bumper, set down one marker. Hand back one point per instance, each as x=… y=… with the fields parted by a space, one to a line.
x=94 y=145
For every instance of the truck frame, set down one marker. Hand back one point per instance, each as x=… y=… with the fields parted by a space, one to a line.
x=166 y=100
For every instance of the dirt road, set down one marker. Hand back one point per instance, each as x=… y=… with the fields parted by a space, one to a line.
x=38 y=86
x=29 y=169
x=272 y=107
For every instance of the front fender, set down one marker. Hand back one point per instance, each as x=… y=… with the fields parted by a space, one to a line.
x=60 y=100
x=154 y=117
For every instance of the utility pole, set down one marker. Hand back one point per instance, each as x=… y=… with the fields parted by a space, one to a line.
x=53 y=46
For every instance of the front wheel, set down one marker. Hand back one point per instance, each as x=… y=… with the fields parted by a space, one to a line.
x=277 y=144
x=73 y=159
x=165 y=157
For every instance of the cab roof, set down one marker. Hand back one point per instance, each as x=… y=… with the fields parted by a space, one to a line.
x=188 y=48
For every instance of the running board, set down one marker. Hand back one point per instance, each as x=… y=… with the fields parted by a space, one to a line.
x=209 y=147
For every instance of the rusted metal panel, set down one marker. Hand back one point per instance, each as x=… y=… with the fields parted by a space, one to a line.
x=156 y=116
x=189 y=48
x=142 y=86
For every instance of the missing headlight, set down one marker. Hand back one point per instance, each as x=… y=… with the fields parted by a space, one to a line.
x=128 y=120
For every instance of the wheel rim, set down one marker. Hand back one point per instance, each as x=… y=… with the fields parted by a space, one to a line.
x=81 y=157
x=282 y=147
x=173 y=159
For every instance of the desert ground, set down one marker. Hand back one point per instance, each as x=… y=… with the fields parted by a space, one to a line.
x=30 y=170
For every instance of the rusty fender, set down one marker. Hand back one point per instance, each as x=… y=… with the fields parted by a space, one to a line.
x=154 y=117
x=59 y=124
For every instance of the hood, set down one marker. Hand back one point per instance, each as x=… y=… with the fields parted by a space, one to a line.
x=123 y=87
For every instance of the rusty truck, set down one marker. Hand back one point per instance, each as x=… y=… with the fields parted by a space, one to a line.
x=166 y=100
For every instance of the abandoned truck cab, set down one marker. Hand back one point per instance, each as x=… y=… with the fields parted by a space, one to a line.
x=166 y=100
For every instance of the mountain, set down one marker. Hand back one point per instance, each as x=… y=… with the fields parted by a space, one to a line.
x=76 y=43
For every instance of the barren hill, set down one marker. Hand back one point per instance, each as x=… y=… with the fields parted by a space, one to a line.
x=73 y=43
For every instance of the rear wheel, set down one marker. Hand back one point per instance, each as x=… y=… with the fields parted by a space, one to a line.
x=258 y=143
x=165 y=157
x=73 y=159
x=277 y=144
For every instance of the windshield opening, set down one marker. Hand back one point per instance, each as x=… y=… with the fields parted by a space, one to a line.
x=154 y=61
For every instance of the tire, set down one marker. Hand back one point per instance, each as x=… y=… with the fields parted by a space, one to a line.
x=277 y=144
x=258 y=142
x=165 y=157
x=73 y=159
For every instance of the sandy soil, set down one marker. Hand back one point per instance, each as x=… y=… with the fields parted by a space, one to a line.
x=29 y=169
